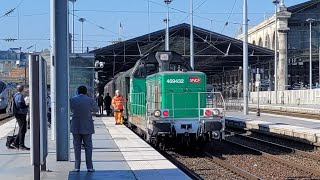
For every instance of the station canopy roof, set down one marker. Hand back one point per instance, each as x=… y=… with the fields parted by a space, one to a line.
x=214 y=52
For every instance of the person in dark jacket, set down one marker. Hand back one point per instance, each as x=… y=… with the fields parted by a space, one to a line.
x=107 y=104
x=21 y=117
x=100 y=103
x=82 y=126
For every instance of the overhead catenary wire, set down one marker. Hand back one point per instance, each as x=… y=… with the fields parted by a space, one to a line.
x=193 y=11
x=11 y=10
x=95 y=24
x=162 y=12
x=154 y=2
x=226 y=22
x=37 y=42
x=195 y=15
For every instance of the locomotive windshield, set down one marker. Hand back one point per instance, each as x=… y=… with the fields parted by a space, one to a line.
x=149 y=65
x=178 y=67
x=2 y=86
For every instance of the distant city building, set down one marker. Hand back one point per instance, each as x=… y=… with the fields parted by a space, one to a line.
x=9 y=71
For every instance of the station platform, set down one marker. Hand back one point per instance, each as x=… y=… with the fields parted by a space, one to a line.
x=290 y=108
x=299 y=129
x=117 y=154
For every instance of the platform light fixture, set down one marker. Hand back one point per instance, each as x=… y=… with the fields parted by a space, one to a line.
x=82 y=20
x=245 y=59
x=167 y=48
x=276 y=4
x=310 y=21
x=73 y=1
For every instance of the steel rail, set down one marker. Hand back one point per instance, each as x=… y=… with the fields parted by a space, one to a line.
x=231 y=167
x=4 y=117
x=174 y=161
x=182 y=167
x=277 y=159
x=293 y=150
x=292 y=114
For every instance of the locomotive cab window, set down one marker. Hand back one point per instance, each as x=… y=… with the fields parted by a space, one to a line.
x=2 y=86
x=177 y=67
x=151 y=69
x=145 y=70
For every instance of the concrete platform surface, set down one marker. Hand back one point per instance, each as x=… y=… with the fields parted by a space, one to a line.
x=298 y=128
x=118 y=154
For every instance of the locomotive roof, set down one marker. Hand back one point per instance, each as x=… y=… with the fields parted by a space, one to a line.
x=215 y=53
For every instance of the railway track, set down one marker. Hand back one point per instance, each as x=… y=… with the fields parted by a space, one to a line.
x=286 y=113
x=233 y=160
x=232 y=168
x=200 y=165
x=236 y=160
x=241 y=157
x=5 y=118
x=205 y=166
x=181 y=166
x=304 y=161
x=290 y=147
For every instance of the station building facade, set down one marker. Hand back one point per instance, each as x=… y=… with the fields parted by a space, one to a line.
x=296 y=43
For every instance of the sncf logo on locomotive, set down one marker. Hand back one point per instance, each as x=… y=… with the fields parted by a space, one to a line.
x=194 y=79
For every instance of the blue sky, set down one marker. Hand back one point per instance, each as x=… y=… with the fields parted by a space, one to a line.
x=34 y=20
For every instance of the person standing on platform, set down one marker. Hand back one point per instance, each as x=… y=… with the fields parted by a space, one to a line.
x=21 y=117
x=117 y=103
x=107 y=103
x=82 y=126
x=100 y=103
x=27 y=101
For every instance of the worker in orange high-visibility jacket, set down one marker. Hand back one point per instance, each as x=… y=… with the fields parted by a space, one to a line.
x=117 y=103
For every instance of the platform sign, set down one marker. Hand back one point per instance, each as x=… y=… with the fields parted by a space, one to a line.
x=43 y=111
x=38 y=113
x=81 y=71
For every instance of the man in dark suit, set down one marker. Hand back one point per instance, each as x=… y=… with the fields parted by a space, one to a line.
x=82 y=126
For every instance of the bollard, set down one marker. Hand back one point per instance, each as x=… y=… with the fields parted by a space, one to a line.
x=258 y=109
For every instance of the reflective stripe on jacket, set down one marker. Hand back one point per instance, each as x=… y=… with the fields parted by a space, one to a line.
x=117 y=102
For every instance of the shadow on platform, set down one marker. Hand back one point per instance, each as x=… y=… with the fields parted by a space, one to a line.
x=121 y=174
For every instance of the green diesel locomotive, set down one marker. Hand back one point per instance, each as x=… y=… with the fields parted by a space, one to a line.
x=169 y=102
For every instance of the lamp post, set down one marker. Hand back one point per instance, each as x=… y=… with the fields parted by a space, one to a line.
x=25 y=68
x=191 y=36
x=167 y=25
x=73 y=1
x=19 y=63
x=82 y=20
x=310 y=21
x=245 y=58
x=276 y=3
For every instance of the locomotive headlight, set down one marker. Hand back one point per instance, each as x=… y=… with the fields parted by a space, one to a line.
x=216 y=112
x=2 y=99
x=157 y=113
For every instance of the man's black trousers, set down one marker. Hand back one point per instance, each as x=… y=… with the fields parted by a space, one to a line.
x=22 y=122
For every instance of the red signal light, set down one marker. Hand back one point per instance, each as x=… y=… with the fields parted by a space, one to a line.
x=165 y=113
x=208 y=112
